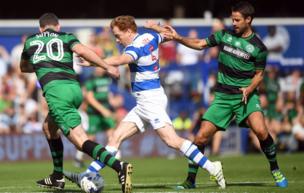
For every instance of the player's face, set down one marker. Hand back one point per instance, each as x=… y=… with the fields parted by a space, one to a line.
x=240 y=24
x=122 y=37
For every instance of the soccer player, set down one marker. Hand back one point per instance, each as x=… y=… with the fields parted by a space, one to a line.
x=99 y=109
x=242 y=59
x=141 y=53
x=49 y=54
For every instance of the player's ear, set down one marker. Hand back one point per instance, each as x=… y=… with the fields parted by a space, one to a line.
x=248 y=19
x=58 y=27
x=41 y=29
x=129 y=32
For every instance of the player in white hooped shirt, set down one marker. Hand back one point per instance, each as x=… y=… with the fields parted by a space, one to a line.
x=141 y=53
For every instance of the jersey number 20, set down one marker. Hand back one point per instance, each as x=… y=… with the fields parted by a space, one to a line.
x=49 y=50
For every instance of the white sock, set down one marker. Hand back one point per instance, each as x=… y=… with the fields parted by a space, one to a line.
x=79 y=155
x=111 y=149
x=192 y=152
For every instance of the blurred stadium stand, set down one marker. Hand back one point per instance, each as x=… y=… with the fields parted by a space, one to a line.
x=186 y=87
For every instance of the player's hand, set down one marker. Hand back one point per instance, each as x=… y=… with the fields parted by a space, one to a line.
x=171 y=32
x=113 y=72
x=246 y=92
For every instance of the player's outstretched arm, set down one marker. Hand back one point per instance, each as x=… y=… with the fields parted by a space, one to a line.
x=94 y=59
x=119 y=60
x=151 y=24
x=162 y=30
x=193 y=43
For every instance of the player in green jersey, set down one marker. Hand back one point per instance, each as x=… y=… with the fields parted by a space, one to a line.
x=242 y=59
x=99 y=101
x=50 y=55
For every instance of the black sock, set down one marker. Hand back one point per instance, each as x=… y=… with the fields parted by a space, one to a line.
x=192 y=171
x=193 y=167
x=269 y=149
x=98 y=152
x=56 y=148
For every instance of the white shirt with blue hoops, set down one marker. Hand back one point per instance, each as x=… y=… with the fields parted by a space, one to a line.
x=145 y=68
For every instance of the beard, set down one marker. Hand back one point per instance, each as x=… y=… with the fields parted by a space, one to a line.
x=238 y=31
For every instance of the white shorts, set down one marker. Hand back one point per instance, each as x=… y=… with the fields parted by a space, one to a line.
x=150 y=109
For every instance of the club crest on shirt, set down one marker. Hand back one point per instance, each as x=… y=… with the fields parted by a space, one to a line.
x=249 y=48
x=229 y=38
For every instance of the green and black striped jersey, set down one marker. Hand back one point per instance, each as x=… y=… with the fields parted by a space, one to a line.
x=238 y=59
x=51 y=55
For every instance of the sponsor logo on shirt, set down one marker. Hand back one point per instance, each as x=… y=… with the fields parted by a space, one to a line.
x=237 y=52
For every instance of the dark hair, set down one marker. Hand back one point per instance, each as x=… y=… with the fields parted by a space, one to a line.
x=48 y=19
x=124 y=22
x=245 y=8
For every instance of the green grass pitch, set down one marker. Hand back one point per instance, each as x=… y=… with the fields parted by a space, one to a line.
x=244 y=174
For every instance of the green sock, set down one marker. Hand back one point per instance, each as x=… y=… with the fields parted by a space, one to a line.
x=192 y=171
x=98 y=152
x=56 y=148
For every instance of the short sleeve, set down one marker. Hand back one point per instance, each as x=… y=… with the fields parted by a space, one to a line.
x=132 y=51
x=215 y=38
x=72 y=41
x=260 y=62
x=25 y=55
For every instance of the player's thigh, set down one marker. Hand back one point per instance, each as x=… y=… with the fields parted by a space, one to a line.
x=154 y=113
x=257 y=124
x=242 y=110
x=219 y=113
x=63 y=103
x=78 y=136
x=151 y=108
x=123 y=131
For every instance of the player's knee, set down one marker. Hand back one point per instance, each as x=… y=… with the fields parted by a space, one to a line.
x=262 y=135
x=201 y=140
x=173 y=142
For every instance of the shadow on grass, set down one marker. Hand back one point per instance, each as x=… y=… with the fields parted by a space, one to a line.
x=249 y=184
x=65 y=191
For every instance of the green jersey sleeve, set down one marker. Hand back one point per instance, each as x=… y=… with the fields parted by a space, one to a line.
x=260 y=62
x=215 y=39
x=72 y=41
x=25 y=55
